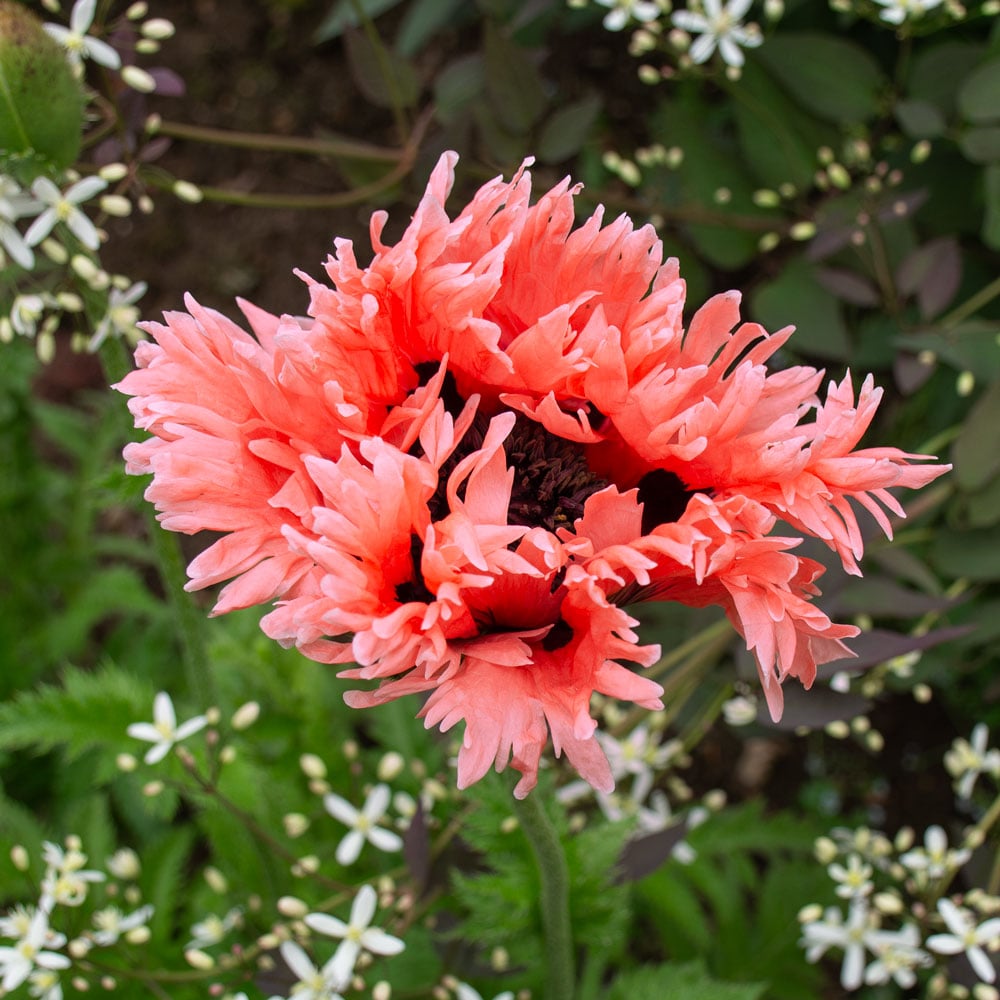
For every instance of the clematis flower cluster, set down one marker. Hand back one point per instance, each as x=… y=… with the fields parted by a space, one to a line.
x=455 y=474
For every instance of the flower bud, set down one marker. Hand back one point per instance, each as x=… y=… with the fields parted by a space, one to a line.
x=246 y=715
x=41 y=116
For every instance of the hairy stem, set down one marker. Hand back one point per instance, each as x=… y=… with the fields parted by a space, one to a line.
x=554 y=877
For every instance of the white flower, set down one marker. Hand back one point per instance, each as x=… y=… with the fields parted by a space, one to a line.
x=111 y=923
x=362 y=824
x=66 y=879
x=356 y=934
x=213 y=928
x=966 y=937
x=622 y=11
x=313 y=983
x=163 y=732
x=855 y=879
x=719 y=27
x=44 y=984
x=18 y=962
x=121 y=317
x=897 y=11
x=13 y=204
x=463 y=991
x=16 y=921
x=934 y=859
x=851 y=937
x=63 y=208
x=639 y=754
x=124 y=864
x=77 y=43
x=966 y=760
x=25 y=313
x=897 y=953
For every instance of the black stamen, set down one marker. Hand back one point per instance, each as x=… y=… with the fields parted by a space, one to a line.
x=414 y=589
x=664 y=498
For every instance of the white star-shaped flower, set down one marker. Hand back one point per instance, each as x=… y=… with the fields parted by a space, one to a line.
x=65 y=208
x=362 y=823
x=121 y=316
x=356 y=934
x=967 y=759
x=66 y=881
x=163 y=732
x=897 y=954
x=77 y=43
x=111 y=923
x=14 y=204
x=851 y=937
x=854 y=880
x=463 y=991
x=313 y=983
x=935 y=858
x=897 y=11
x=966 y=937
x=719 y=27
x=623 y=11
x=19 y=961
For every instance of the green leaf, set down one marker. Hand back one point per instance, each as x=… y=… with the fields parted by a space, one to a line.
x=991 y=219
x=89 y=710
x=689 y=981
x=972 y=554
x=458 y=87
x=422 y=20
x=343 y=16
x=41 y=102
x=975 y=453
x=920 y=119
x=796 y=297
x=568 y=129
x=938 y=72
x=778 y=139
x=517 y=96
x=978 y=98
x=384 y=83
x=834 y=78
x=981 y=144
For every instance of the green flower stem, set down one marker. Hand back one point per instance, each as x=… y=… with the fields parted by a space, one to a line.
x=554 y=876
x=331 y=146
x=189 y=619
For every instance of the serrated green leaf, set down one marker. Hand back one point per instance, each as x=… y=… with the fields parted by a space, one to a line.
x=689 y=981
x=163 y=880
x=977 y=97
x=87 y=711
x=830 y=76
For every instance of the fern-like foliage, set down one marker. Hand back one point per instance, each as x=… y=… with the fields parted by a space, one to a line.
x=88 y=709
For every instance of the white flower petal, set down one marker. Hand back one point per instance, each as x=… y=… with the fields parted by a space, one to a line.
x=297 y=960
x=189 y=728
x=945 y=944
x=690 y=21
x=385 y=840
x=703 y=48
x=341 y=966
x=85 y=189
x=83 y=16
x=363 y=907
x=377 y=803
x=981 y=964
x=349 y=848
x=323 y=923
x=155 y=754
x=377 y=941
x=340 y=809
x=83 y=229
x=40 y=228
x=102 y=53
x=144 y=731
x=163 y=711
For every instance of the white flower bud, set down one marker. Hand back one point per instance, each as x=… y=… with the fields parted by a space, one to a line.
x=138 y=79
x=158 y=27
x=295 y=824
x=188 y=192
x=292 y=906
x=19 y=857
x=390 y=766
x=217 y=882
x=381 y=990
x=199 y=959
x=312 y=766
x=138 y=935
x=116 y=204
x=113 y=172
x=246 y=715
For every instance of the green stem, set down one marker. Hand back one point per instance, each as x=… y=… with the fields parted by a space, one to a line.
x=188 y=616
x=332 y=146
x=554 y=878
x=971 y=305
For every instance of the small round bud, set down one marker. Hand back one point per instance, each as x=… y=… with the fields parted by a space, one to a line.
x=804 y=230
x=295 y=824
x=765 y=198
x=78 y=948
x=246 y=715
x=158 y=27
x=499 y=959
x=109 y=983
x=124 y=864
x=509 y=825
x=137 y=11
x=19 y=857
x=188 y=192
x=292 y=907
x=116 y=205
x=381 y=990
x=126 y=762
x=138 y=79
x=810 y=914
x=113 y=172
x=138 y=935
x=152 y=788
x=390 y=766
x=199 y=959
x=825 y=850
x=217 y=882
x=312 y=766
x=213 y=716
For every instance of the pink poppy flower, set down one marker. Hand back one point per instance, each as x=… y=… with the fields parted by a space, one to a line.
x=475 y=452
